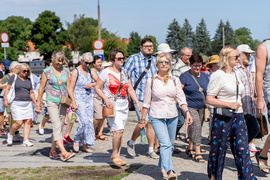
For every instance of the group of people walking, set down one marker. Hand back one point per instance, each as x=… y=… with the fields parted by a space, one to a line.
x=165 y=96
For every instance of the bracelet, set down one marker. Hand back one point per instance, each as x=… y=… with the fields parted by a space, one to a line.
x=187 y=111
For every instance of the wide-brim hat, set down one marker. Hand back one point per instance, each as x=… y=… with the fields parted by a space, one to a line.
x=165 y=48
x=213 y=59
x=106 y=64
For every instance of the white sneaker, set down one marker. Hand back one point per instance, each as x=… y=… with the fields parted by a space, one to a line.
x=9 y=139
x=27 y=143
x=252 y=150
x=41 y=131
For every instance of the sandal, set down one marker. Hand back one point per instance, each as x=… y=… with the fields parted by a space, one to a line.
x=189 y=153
x=261 y=166
x=102 y=138
x=116 y=161
x=122 y=161
x=164 y=174
x=171 y=176
x=198 y=160
x=157 y=150
x=187 y=140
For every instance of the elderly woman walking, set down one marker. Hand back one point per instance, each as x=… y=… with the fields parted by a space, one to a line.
x=81 y=84
x=116 y=87
x=228 y=126
x=55 y=81
x=161 y=92
x=21 y=106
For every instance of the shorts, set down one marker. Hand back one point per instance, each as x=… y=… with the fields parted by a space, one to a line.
x=139 y=115
x=98 y=106
x=2 y=108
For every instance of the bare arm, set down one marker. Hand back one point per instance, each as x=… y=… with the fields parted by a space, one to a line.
x=3 y=86
x=99 y=92
x=6 y=93
x=260 y=67
x=212 y=100
x=71 y=95
x=40 y=92
x=32 y=96
x=94 y=75
x=132 y=93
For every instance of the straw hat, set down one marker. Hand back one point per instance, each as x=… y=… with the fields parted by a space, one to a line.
x=213 y=59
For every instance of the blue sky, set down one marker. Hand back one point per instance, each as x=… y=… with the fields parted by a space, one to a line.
x=152 y=17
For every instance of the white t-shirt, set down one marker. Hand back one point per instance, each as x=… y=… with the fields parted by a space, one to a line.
x=223 y=85
x=112 y=82
x=252 y=66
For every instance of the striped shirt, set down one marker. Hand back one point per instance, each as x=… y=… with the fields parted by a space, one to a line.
x=179 y=68
x=248 y=94
x=135 y=66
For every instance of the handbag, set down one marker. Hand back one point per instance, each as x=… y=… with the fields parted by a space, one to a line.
x=228 y=112
x=110 y=112
x=262 y=126
x=11 y=93
x=65 y=100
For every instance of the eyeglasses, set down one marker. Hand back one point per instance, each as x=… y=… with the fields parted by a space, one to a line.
x=24 y=71
x=235 y=57
x=196 y=66
x=149 y=46
x=161 y=62
x=120 y=58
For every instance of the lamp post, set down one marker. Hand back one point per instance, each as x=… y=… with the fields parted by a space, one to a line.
x=99 y=30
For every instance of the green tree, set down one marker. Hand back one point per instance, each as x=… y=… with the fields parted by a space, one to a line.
x=154 y=39
x=188 y=34
x=243 y=35
x=83 y=32
x=230 y=38
x=217 y=42
x=134 y=44
x=202 y=42
x=48 y=33
x=19 y=31
x=175 y=36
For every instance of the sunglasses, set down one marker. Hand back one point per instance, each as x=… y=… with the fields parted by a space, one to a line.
x=235 y=57
x=120 y=58
x=161 y=62
x=87 y=63
x=26 y=71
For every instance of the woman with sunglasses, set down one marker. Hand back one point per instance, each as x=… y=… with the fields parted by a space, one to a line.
x=56 y=82
x=116 y=87
x=161 y=93
x=228 y=125
x=21 y=107
x=194 y=84
x=81 y=84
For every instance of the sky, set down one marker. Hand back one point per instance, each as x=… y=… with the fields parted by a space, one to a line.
x=151 y=17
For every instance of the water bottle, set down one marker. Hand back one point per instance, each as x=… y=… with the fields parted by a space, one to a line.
x=143 y=136
x=73 y=117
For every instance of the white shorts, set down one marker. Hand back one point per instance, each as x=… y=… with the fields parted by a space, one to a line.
x=121 y=114
x=21 y=110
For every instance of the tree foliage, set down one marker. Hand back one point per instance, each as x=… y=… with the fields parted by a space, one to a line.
x=48 y=33
x=133 y=46
x=188 y=34
x=202 y=42
x=19 y=30
x=175 y=36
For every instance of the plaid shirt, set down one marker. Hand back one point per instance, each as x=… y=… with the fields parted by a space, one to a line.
x=135 y=66
x=248 y=94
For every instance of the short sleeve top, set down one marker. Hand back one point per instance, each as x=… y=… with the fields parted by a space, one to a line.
x=112 y=82
x=191 y=89
x=22 y=88
x=53 y=92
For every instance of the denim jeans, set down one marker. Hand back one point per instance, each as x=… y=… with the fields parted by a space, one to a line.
x=165 y=130
x=138 y=112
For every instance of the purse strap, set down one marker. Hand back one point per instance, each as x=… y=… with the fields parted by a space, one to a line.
x=116 y=95
x=200 y=88
x=237 y=87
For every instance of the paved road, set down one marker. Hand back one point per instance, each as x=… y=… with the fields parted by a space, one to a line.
x=37 y=156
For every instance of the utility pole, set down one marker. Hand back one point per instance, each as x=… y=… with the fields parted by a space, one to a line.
x=99 y=30
x=223 y=37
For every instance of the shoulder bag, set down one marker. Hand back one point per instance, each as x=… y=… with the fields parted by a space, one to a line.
x=11 y=93
x=65 y=100
x=262 y=126
x=110 y=112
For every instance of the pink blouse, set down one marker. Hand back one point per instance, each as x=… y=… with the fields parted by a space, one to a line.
x=161 y=99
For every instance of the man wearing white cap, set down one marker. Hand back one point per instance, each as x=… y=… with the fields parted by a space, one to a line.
x=243 y=71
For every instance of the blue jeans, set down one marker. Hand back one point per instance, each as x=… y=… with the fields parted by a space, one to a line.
x=165 y=130
x=138 y=112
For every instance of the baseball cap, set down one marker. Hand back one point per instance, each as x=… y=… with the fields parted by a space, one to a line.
x=244 y=48
x=6 y=63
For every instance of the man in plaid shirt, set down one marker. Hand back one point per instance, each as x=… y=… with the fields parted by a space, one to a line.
x=136 y=64
x=246 y=77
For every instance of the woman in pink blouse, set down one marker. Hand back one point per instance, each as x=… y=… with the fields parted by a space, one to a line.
x=161 y=93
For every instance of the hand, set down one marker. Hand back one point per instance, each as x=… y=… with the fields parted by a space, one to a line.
x=189 y=119
x=5 y=103
x=38 y=109
x=234 y=105
x=142 y=124
x=260 y=107
x=88 y=86
x=74 y=107
x=108 y=103
x=139 y=107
